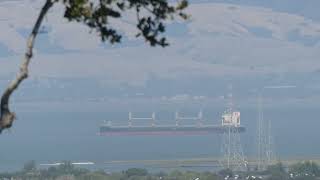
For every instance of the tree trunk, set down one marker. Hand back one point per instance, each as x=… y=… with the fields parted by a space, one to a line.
x=7 y=117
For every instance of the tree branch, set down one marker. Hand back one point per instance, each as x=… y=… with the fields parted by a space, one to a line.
x=7 y=117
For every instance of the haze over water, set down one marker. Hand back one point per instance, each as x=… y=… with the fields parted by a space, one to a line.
x=72 y=136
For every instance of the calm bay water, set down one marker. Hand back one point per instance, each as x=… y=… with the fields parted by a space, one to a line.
x=55 y=136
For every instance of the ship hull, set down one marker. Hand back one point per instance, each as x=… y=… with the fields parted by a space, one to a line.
x=169 y=130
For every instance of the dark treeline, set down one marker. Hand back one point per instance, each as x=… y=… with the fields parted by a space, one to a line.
x=307 y=170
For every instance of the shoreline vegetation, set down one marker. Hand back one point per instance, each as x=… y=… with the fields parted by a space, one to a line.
x=304 y=170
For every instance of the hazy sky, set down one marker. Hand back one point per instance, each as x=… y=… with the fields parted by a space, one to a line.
x=234 y=40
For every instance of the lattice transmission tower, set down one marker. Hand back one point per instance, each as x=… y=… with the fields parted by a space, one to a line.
x=232 y=152
x=265 y=140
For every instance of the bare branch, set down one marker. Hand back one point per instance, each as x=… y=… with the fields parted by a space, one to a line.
x=7 y=117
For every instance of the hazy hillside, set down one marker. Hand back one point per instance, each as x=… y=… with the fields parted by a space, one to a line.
x=248 y=43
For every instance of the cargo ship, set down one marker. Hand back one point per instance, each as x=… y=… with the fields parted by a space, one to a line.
x=230 y=121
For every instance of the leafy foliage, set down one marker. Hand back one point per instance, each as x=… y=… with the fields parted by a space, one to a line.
x=277 y=172
x=276 y=169
x=29 y=166
x=136 y=172
x=151 y=16
x=68 y=171
x=304 y=170
x=226 y=172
